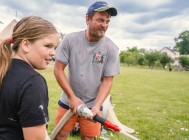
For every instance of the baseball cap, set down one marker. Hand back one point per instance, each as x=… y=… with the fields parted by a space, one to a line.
x=100 y=6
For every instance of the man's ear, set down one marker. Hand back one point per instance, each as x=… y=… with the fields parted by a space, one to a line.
x=25 y=45
x=87 y=19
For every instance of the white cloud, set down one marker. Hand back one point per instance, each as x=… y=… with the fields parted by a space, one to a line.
x=150 y=4
x=145 y=24
x=67 y=20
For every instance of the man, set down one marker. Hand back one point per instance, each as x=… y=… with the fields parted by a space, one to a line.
x=92 y=60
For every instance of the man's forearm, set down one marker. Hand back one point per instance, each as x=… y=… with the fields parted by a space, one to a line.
x=103 y=91
x=62 y=79
x=64 y=84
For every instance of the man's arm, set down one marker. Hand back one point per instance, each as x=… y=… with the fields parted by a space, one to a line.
x=64 y=84
x=103 y=92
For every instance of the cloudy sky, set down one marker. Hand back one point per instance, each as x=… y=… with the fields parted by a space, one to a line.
x=140 y=23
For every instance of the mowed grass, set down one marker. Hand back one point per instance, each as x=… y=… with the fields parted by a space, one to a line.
x=153 y=102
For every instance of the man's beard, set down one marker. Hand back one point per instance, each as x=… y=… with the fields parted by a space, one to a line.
x=97 y=34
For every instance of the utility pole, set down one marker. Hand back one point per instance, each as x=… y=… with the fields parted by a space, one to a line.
x=16 y=15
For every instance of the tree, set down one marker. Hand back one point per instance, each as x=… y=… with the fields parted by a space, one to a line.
x=182 y=43
x=130 y=58
x=142 y=50
x=62 y=35
x=152 y=57
x=165 y=59
x=133 y=49
x=122 y=57
x=184 y=61
x=141 y=60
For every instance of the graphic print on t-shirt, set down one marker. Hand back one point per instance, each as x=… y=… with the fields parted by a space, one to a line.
x=41 y=107
x=98 y=57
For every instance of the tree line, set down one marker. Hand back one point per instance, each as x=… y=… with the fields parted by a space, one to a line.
x=134 y=56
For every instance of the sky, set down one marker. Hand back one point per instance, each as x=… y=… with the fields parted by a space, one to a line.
x=140 y=23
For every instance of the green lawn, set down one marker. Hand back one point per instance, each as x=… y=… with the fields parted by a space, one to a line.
x=153 y=102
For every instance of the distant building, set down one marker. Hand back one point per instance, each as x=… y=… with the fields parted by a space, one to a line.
x=7 y=31
x=173 y=54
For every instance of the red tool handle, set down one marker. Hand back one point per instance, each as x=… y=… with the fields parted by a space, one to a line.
x=106 y=123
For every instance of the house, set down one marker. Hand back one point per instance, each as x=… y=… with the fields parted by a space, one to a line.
x=7 y=31
x=173 y=54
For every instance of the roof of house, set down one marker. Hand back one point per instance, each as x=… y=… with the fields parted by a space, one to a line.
x=168 y=50
x=7 y=31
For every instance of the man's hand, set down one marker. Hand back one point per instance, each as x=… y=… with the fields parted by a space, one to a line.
x=96 y=110
x=74 y=102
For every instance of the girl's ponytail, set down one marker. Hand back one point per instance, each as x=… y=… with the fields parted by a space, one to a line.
x=5 y=57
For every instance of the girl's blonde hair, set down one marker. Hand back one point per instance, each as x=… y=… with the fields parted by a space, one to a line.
x=32 y=28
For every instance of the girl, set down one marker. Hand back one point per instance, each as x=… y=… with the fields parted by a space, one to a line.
x=23 y=91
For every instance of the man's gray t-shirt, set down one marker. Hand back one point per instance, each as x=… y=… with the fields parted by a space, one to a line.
x=88 y=62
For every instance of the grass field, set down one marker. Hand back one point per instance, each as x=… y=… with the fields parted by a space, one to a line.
x=153 y=102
